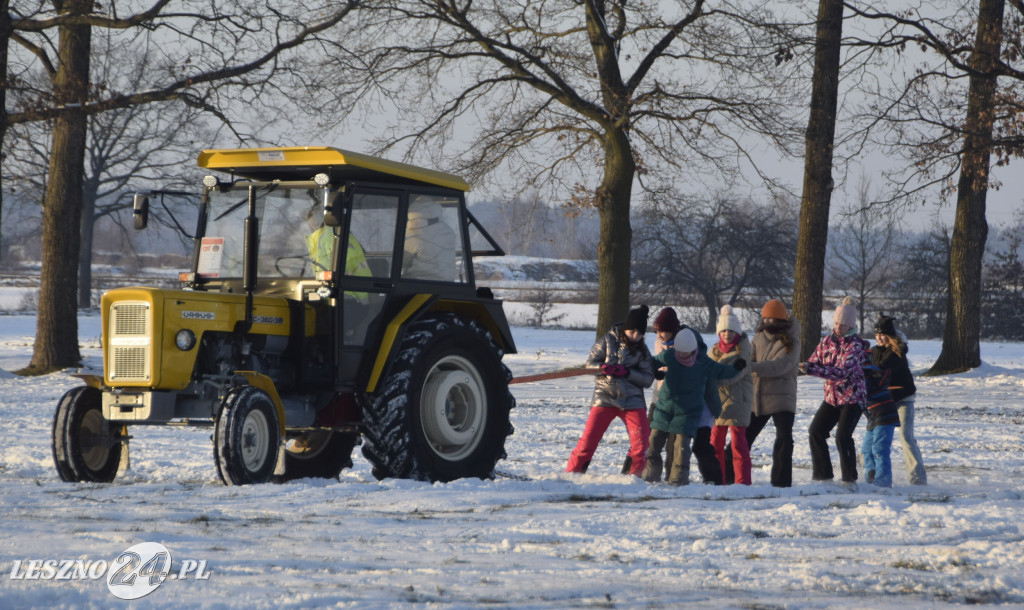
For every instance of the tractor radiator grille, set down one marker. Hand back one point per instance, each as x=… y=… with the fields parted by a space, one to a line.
x=129 y=342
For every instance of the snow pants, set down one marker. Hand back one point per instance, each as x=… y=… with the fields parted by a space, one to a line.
x=844 y=419
x=740 y=454
x=597 y=424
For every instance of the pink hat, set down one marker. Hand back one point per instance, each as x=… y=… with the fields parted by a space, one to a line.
x=845 y=314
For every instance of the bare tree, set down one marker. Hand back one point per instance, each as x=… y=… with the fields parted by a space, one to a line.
x=216 y=51
x=818 y=182
x=585 y=96
x=861 y=250
x=952 y=134
x=921 y=288
x=714 y=247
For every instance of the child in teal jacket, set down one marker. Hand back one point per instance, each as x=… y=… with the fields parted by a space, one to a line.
x=681 y=399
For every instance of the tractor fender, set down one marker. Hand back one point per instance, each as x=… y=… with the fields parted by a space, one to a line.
x=266 y=384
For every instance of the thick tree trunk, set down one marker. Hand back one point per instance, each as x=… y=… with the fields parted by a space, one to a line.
x=817 y=190
x=613 y=251
x=961 y=349
x=56 y=345
x=5 y=37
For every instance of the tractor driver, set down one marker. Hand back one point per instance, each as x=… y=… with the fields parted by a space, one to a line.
x=320 y=243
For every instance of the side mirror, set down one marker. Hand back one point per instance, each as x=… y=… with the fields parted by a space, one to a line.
x=140 y=211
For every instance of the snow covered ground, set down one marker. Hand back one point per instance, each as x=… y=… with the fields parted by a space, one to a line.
x=534 y=537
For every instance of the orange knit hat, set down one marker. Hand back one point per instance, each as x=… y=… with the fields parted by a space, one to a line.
x=774 y=309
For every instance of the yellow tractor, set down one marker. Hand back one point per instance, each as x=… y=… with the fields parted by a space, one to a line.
x=331 y=300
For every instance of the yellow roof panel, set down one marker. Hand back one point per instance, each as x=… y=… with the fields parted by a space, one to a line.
x=303 y=162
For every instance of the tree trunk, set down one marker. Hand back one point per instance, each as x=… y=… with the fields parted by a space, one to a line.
x=817 y=189
x=961 y=349
x=613 y=250
x=89 y=191
x=56 y=345
x=5 y=37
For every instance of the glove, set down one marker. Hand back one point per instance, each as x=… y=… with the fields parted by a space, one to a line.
x=659 y=374
x=739 y=364
x=615 y=370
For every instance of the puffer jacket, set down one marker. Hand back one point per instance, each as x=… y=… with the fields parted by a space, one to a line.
x=711 y=396
x=737 y=392
x=901 y=380
x=840 y=362
x=775 y=370
x=625 y=393
x=681 y=397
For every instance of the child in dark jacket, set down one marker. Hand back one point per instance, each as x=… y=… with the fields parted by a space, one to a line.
x=891 y=354
x=882 y=422
x=681 y=402
x=625 y=364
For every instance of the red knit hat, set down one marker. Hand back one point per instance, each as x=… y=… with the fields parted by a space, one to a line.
x=667 y=321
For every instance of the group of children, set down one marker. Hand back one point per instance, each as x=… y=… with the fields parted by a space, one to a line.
x=704 y=396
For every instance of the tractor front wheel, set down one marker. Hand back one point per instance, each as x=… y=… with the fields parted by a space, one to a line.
x=86 y=447
x=246 y=437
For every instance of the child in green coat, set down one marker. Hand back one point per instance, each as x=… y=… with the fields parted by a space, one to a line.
x=681 y=401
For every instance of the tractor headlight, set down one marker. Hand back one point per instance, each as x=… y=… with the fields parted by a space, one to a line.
x=185 y=339
x=321 y=179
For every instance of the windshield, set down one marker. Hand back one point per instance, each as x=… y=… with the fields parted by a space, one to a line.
x=293 y=240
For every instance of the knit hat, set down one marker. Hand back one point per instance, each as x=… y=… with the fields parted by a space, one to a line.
x=885 y=325
x=667 y=321
x=774 y=309
x=686 y=341
x=727 y=320
x=637 y=319
x=845 y=314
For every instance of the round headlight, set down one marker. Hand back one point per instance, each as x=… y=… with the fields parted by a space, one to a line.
x=185 y=339
x=321 y=179
x=210 y=181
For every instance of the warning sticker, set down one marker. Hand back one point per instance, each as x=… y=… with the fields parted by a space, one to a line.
x=211 y=253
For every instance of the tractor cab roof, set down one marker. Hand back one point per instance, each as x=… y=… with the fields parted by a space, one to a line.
x=303 y=162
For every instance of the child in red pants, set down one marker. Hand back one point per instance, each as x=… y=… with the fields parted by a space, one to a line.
x=737 y=394
x=626 y=370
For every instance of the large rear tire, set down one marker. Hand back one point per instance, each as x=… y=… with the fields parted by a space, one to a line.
x=443 y=412
x=246 y=437
x=322 y=454
x=86 y=447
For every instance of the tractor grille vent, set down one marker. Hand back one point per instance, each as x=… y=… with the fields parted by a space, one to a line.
x=130 y=342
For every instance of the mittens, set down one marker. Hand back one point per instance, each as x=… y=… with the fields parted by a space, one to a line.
x=615 y=370
x=739 y=364
x=659 y=374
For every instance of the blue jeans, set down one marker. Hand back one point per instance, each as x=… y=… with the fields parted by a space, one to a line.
x=877 y=445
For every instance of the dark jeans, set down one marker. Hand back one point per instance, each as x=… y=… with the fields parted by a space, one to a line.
x=707 y=461
x=844 y=419
x=782 y=452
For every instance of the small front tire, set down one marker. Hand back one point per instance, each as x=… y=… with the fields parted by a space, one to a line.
x=86 y=447
x=246 y=437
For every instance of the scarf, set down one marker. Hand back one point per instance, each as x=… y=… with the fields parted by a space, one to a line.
x=688 y=361
x=725 y=348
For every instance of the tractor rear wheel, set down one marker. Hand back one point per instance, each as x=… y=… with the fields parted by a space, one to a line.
x=86 y=447
x=246 y=437
x=443 y=412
